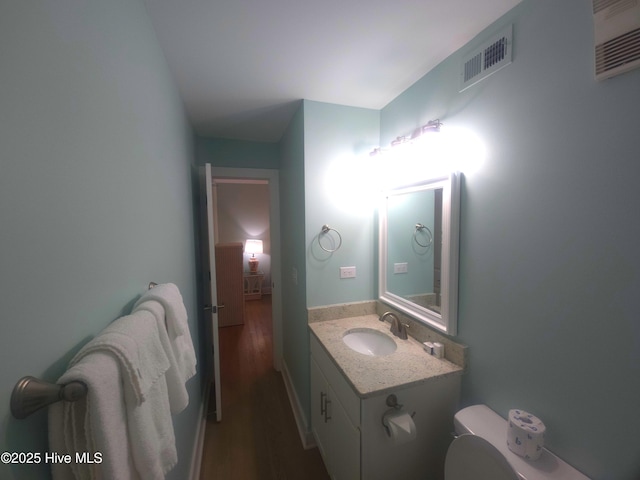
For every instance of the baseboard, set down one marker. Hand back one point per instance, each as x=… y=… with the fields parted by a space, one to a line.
x=196 y=456
x=306 y=436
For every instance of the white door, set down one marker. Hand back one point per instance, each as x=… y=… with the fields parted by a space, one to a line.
x=209 y=281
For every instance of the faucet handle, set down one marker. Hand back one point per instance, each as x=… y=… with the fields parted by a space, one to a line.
x=399 y=329
x=388 y=314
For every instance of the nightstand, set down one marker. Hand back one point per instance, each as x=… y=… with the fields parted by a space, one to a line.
x=253 y=285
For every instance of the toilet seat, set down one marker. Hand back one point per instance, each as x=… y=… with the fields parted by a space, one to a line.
x=471 y=457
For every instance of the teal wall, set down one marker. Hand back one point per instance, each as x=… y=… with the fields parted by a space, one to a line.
x=402 y=243
x=220 y=152
x=95 y=194
x=340 y=192
x=549 y=258
x=292 y=225
x=318 y=136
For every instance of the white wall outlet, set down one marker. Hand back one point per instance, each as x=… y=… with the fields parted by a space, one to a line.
x=347 y=272
x=400 y=267
x=294 y=275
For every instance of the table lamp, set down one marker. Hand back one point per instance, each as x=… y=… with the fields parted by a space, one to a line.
x=253 y=246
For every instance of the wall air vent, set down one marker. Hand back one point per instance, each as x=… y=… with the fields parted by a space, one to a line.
x=486 y=59
x=617 y=36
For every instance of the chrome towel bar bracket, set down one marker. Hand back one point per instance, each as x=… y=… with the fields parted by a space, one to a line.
x=31 y=394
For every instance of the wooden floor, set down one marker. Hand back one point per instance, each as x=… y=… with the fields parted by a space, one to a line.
x=257 y=438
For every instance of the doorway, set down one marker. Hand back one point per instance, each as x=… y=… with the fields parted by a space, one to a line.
x=247 y=224
x=242 y=218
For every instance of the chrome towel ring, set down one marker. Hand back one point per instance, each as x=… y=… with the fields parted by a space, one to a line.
x=421 y=228
x=325 y=231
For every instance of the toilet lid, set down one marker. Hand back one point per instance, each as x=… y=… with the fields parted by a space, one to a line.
x=473 y=458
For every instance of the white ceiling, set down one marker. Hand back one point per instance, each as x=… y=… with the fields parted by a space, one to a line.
x=241 y=66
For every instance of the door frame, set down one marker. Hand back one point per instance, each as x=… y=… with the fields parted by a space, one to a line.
x=272 y=176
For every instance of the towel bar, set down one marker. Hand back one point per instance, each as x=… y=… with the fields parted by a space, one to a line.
x=31 y=394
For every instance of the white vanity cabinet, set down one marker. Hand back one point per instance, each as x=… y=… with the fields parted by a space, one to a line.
x=336 y=433
x=348 y=426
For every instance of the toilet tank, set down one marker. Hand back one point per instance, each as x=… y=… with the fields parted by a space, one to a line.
x=482 y=421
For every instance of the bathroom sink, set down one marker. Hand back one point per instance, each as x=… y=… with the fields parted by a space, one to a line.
x=369 y=342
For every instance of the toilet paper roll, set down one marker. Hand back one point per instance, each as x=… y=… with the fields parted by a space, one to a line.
x=525 y=434
x=400 y=426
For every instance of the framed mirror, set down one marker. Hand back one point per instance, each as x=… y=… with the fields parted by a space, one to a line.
x=418 y=251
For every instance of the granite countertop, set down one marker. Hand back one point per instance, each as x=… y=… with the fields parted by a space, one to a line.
x=368 y=375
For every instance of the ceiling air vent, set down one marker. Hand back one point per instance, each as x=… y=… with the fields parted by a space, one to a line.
x=617 y=36
x=486 y=59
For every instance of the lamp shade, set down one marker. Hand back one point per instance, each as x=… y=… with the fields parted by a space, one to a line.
x=253 y=246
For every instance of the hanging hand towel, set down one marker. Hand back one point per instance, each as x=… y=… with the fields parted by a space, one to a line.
x=134 y=342
x=168 y=295
x=176 y=386
x=171 y=299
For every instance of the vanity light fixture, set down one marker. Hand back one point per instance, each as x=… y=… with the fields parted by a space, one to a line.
x=401 y=140
x=430 y=127
x=377 y=151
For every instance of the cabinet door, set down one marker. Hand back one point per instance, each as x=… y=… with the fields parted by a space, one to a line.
x=345 y=443
x=319 y=419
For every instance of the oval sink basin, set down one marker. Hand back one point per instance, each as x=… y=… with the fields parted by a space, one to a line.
x=369 y=342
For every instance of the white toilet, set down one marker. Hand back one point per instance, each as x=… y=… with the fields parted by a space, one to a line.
x=480 y=452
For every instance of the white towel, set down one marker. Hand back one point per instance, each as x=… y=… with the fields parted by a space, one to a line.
x=153 y=443
x=95 y=423
x=176 y=386
x=176 y=320
x=169 y=296
x=134 y=342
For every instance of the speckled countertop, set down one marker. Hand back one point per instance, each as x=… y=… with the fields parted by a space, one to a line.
x=368 y=375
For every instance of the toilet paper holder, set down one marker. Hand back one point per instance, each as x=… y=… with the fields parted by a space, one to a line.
x=391 y=401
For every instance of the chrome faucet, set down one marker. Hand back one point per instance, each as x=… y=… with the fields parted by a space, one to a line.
x=398 y=328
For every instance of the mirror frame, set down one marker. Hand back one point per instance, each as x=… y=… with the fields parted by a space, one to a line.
x=447 y=320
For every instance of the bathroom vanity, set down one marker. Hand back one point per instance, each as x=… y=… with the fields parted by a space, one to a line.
x=350 y=395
